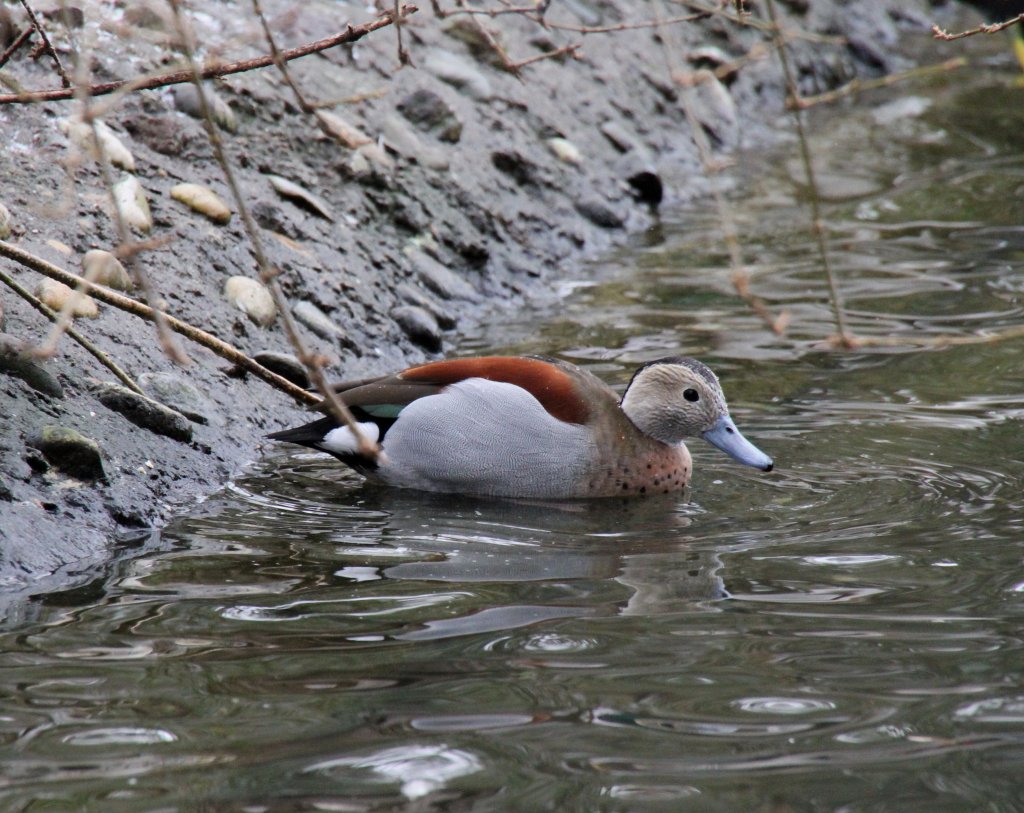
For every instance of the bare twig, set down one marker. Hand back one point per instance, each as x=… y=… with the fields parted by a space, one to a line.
x=740 y=277
x=818 y=224
x=268 y=274
x=87 y=345
x=350 y=34
x=133 y=306
x=984 y=28
x=127 y=250
x=854 y=342
x=47 y=45
x=20 y=40
x=612 y=29
x=861 y=85
x=572 y=48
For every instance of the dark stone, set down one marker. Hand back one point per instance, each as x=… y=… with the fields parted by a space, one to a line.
x=285 y=365
x=70 y=452
x=14 y=361
x=144 y=412
x=647 y=188
x=518 y=168
x=419 y=326
x=162 y=133
x=599 y=213
x=429 y=112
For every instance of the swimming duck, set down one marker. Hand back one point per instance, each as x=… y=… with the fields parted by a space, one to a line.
x=531 y=426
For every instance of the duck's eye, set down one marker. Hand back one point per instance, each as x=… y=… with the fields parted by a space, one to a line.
x=691 y=395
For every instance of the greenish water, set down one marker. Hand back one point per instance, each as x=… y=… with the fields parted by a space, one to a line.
x=844 y=634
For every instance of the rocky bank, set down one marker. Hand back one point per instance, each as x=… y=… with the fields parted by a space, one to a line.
x=461 y=190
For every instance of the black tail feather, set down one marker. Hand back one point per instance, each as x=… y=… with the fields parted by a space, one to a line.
x=311 y=434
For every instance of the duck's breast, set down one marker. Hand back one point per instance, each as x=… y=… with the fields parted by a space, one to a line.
x=486 y=437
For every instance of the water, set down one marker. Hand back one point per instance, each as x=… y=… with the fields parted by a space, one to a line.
x=841 y=635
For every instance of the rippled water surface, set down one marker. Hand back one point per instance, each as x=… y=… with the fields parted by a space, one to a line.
x=844 y=634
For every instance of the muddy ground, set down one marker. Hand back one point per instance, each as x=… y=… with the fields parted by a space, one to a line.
x=489 y=189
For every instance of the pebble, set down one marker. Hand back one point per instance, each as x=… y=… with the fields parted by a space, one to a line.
x=132 y=203
x=69 y=451
x=459 y=73
x=564 y=150
x=599 y=213
x=414 y=296
x=175 y=392
x=186 y=99
x=6 y=222
x=81 y=135
x=619 y=136
x=400 y=138
x=56 y=295
x=440 y=279
x=204 y=200
x=419 y=325
x=319 y=322
x=162 y=134
x=16 y=362
x=285 y=365
x=301 y=196
x=104 y=268
x=251 y=297
x=144 y=412
x=346 y=134
x=431 y=113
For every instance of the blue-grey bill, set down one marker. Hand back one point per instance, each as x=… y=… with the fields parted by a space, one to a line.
x=729 y=439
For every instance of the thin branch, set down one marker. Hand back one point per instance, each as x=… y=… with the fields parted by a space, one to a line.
x=860 y=85
x=984 y=28
x=740 y=277
x=572 y=48
x=818 y=224
x=133 y=306
x=268 y=274
x=20 y=40
x=89 y=347
x=1014 y=332
x=47 y=45
x=350 y=34
x=612 y=29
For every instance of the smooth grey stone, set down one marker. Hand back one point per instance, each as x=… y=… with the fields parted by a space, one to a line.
x=459 y=73
x=440 y=279
x=285 y=365
x=414 y=296
x=175 y=392
x=419 y=325
x=70 y=452
x=401 y=138
x=144 y=412
x=599 y=213
x=320 y=323
x=14 y=361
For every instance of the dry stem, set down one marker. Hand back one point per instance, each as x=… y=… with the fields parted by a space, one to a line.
x=133 y=306
x=350 y=34
x=984 y=28
x=52 y=315
x=818 y=224
x=268 y=274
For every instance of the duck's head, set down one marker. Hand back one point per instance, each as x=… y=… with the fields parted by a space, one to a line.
x=675 y=398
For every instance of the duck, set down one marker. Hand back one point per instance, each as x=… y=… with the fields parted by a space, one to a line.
x=531 y=427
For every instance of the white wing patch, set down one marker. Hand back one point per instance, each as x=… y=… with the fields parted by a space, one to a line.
x=342 y=441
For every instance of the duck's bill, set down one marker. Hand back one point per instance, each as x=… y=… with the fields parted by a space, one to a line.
x=730 y=440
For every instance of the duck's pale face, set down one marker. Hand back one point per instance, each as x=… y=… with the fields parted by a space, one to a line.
x=672 y=400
